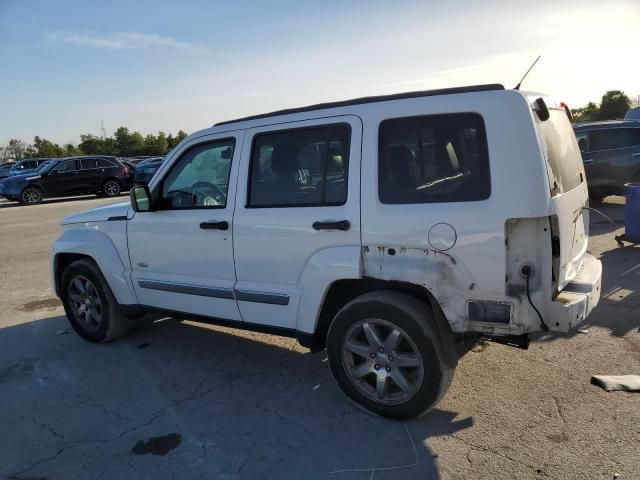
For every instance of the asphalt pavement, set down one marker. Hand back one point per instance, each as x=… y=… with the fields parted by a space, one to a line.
x=180 y=400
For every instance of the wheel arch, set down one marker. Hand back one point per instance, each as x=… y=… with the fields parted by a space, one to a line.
x=75 y=245
x=341 y=292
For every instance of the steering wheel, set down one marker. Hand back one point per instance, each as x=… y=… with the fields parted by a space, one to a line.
x=207 y=194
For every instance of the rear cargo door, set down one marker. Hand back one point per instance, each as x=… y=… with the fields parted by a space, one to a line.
x=569 y=195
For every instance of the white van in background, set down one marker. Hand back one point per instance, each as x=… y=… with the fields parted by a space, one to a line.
x=381 y=228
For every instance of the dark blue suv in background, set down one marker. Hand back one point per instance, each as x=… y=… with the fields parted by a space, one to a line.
x=63 y=177
x=611 y=155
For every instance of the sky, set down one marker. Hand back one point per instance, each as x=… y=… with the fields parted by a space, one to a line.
x=68 y=65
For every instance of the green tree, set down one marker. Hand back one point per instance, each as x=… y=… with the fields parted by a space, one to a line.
x=14 y=150
x=586 y=114
x=614 y=105
x=156 y=145
x=128 y=144
x=44 y=148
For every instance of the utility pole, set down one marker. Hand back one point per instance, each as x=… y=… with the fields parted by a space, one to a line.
x=102 y=131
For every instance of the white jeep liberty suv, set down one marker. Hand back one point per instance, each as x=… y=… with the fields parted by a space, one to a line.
x=381 y=228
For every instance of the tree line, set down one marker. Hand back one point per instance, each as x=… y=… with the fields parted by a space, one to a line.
x=123 y=143
x=613 y=106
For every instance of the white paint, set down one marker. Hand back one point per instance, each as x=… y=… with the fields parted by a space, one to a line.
x=456 y=250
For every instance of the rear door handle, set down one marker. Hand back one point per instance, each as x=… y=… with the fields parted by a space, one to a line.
x=588 y=160
x=343 y=225
x=635 y=154
x=213 y=225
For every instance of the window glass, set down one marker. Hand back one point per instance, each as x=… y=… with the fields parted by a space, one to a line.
x=302 y=167
x=609 y=139
x=565 y=170
x=200 y=178
x=88 y=163
x=434 y=158
x=68 y=166
x=583 y=141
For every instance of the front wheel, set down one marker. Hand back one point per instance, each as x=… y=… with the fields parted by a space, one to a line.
x=31 y=196
x=111 y=188
x=90 y=305
x=386 y=355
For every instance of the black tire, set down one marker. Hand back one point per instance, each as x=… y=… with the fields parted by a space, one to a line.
x=111 y=188
x=31 y=195
x=414 y=319
x=113 y=324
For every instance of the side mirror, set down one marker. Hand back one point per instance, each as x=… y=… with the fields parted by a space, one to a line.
x=140 y=199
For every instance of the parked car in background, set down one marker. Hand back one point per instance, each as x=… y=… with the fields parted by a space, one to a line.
x=68 y=176
x=146 y=170
x=5 y=169
x=611 y=155
x=26 y=166
x=132 y=169
x=136 y=160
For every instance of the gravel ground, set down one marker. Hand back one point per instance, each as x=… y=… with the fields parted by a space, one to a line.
x=182 y=400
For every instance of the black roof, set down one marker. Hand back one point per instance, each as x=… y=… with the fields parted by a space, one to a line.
x=373 y=99
x=606 y=124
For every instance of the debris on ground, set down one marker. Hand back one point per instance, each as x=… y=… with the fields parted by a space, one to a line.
x=62 y=332
x=620 y=383
x=583 y=330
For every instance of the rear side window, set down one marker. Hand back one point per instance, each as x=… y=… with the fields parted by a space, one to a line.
x=104 y=163
x=612 y=138
x=301 y=167
x=561 y=152
x=433 y=158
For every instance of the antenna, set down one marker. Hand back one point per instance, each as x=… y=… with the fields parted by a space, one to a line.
x=517 y=87
x=102 y=131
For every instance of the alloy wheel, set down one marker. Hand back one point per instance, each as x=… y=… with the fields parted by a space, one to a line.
x=382 y=361
x=111 y=188
x=31 y=195
x=85 y=303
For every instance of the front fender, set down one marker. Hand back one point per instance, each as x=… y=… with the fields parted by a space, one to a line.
x=98 y=246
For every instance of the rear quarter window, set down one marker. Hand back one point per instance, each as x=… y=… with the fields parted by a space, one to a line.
x=433 y=158
x=561 y=152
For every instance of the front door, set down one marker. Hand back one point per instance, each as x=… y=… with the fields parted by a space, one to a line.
x=298 y=206
x=182 y=253
x=63 y=179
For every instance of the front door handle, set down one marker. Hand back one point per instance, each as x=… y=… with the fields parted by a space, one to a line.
x=213 y=225
x=343 y=225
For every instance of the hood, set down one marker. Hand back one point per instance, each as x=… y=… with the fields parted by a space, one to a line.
x=100 y=214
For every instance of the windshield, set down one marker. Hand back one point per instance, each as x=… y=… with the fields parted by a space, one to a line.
x=45 y=167
x=564 y=163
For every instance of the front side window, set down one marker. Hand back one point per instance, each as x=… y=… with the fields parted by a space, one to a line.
x=433 y=158
x=68 y=166
x=583 y=141
x=301 y=167
x=613 y=138
x=200 y=178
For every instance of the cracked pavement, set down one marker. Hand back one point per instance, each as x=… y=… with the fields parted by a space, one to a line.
x=250 y=405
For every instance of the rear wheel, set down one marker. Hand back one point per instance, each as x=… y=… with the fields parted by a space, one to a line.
x=386 y=354
x=90 y=305
x=111 y=188
x=31 y=196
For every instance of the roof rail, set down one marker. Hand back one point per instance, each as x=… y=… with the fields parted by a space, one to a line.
x=373 y=99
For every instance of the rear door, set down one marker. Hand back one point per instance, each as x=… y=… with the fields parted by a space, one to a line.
x=567 y=182
x=298 y=198
x=90 y=176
